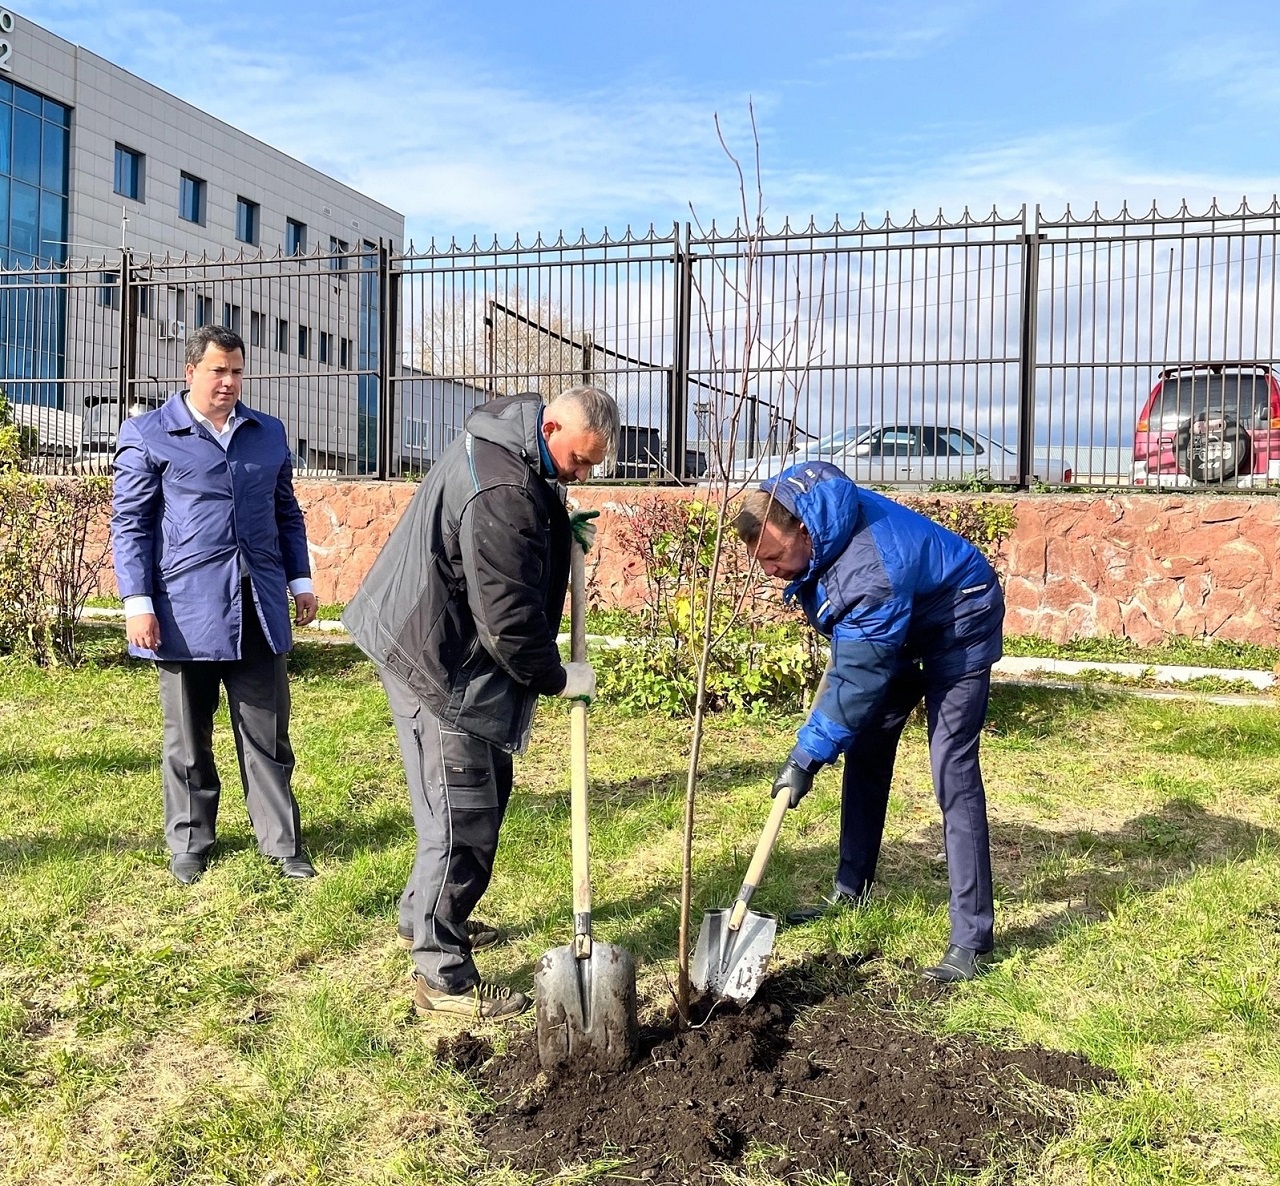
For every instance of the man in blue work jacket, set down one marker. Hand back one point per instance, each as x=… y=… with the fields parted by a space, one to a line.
x=913 y=612
x=208 y=543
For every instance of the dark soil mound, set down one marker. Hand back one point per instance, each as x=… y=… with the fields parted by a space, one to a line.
x=845 y=1085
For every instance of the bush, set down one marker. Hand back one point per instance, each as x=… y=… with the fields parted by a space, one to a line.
x=764 y=656
x=984 y=524
x=48 y=567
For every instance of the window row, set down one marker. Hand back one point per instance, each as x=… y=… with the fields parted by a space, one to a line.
x=130 y=182
x=329 y=349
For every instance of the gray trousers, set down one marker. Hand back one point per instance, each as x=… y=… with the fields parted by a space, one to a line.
x=459 y=787
x=258 y=698
x=956 y=707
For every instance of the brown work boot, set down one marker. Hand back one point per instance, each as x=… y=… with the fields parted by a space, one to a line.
x=481 y=934
x=485 y=1001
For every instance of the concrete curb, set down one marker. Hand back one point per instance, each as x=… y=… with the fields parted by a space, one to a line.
x=1011 y=669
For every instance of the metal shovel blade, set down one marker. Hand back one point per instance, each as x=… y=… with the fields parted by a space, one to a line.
x=733 y=963
x=587 y=1008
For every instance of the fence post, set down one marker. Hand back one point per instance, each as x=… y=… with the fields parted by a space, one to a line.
x=678 y=403
x=1027 y=353
x=128 y=343
x=386 y=346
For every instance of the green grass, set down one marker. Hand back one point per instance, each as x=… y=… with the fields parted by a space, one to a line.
x=1185 y=652
x=249 y=1030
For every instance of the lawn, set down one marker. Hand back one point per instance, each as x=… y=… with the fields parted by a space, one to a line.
x=249 y=1030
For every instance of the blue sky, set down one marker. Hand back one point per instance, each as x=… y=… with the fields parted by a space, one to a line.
x=503 y=117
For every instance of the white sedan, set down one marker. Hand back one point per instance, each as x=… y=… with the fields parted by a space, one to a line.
x=911 y=455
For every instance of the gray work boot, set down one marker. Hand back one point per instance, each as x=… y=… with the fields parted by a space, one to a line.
x=485 y=1001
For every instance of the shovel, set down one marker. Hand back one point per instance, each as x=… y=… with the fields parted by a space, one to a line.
x=734 y=946
x=586 y=992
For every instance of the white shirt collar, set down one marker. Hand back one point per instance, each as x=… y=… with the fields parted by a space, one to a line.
x=221 y=435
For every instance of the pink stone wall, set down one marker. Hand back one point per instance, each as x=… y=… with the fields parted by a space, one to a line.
x=1138 y=566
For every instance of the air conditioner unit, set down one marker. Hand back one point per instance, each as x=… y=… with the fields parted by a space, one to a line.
x=179 y=330
x=165 y=328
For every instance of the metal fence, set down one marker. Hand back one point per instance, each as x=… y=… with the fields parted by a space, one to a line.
x=1078 y=351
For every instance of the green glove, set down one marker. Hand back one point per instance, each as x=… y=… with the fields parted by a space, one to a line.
x=584 y=531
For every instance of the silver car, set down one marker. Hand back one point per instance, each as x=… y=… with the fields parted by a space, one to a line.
x=912 y=455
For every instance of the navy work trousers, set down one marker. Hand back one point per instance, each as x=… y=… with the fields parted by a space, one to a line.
x=956 y=708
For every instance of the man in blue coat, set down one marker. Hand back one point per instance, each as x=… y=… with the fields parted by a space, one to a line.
x=208 y=542
x=913 y=612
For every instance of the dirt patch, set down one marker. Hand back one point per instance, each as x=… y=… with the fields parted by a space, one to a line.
x=836 y=1083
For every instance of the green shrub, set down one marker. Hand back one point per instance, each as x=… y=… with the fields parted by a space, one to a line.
x=764 y=654
x=984 y=524
x=48 y=564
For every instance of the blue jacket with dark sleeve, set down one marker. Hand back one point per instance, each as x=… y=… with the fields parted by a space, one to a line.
x=887 y=586
x=189 y=520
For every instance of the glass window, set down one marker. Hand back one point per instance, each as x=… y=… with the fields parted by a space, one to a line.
x=895 y=442
x=4 y=212
x=255 y=328
x=129 y=173
x=231 y=316
x=57 y=113
x=144 y=300
x=25 y=215
x=53 y=159
x=326 y=347
x=344 y=353
x=109 y=289
x=247 y=221
x=6 y=91
x=26 y=147
x=282 y=336
x=295 y=237
x=6 y=129
x=191 y=204
x=304 y=341
x=53 y=226
x=337 y=249
x=954 y=443
x=27 y=100
x=204 y=310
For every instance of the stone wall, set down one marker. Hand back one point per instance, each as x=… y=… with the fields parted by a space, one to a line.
x=1137 y=566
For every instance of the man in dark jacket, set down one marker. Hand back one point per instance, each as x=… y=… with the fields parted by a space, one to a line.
x=460 y=613
x=209 y=544
x=912 y=611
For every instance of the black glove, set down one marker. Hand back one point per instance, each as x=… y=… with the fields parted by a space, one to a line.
x=794 y=779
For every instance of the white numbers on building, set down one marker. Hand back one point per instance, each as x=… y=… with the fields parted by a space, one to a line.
x=6 y=46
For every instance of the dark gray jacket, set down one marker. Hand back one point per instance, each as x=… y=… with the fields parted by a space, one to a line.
x=464 y=601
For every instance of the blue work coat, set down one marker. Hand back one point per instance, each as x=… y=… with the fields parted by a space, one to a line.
x=888 y=587
x=189 y=520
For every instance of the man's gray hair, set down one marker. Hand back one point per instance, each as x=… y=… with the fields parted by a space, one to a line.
x=212 y=335
x=599 y=414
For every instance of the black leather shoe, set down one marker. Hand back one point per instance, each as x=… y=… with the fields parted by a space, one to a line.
x=187 y=867
x=833 y=901
x=959 y=963
x=295 y=868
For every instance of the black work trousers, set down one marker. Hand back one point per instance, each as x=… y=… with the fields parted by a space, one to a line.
x=257 y=687
x=459 y=787
x=956 y=707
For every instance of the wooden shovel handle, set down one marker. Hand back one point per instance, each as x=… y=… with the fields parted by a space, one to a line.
x=760 y=858
x=578 y=762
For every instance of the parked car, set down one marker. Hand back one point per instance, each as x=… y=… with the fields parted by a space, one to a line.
x=913 y=455
x=1210 y=424
x=103 y=416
